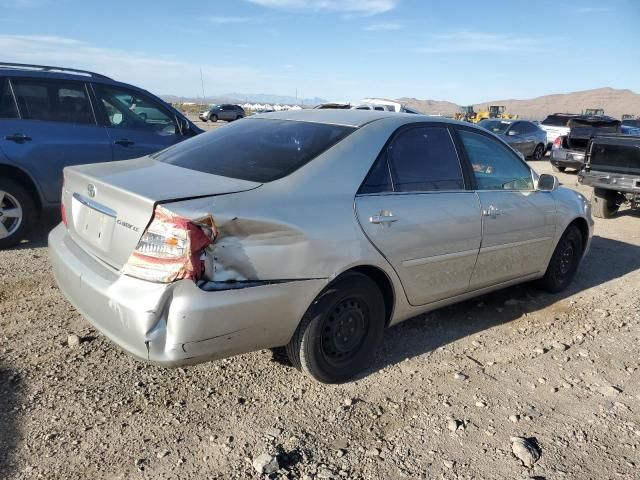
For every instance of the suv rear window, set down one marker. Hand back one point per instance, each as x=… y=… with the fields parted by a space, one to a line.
x=258 y=150
x=556 y=121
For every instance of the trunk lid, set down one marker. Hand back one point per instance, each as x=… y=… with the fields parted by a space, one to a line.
x=581 y=130
x=109 y=205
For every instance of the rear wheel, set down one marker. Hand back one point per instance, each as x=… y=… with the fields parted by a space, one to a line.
x=238 y=117
x=17 y=213
x=557 y=169
x=604 y=203
x=340 y=332
x=538 y=152
x=564 y=261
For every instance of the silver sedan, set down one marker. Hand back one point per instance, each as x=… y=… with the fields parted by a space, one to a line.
x=313 y=230
x=526 y=137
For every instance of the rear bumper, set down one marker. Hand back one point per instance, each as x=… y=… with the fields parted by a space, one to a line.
x=561 y=157
x=611 y=181
x=177 y=324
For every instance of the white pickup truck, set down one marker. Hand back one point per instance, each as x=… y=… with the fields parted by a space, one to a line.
x=556 y=125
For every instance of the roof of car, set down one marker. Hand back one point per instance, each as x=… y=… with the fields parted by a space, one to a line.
x=351 y=118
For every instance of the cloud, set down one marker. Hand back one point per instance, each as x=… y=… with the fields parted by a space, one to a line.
x=469 y=42
x=228 y=20
x=378 y=27
x=364 y=7
x=159 y=75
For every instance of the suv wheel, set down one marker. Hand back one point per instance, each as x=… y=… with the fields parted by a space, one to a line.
x=238 y=117
x=17 y=212
x=564 y=261
x=603 y=203
x=213 y=118
x=340 y=332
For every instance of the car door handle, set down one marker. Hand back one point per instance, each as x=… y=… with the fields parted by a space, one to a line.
x=383 y=218
x=125 y=142
x=18 y=138
x=492 y=212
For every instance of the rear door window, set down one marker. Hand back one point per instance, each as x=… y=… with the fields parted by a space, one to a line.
x=53 y=100
x=257 y=150
x=8 y=107
x=424 y=159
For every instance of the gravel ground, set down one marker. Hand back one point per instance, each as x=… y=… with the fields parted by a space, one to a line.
x=447 y=392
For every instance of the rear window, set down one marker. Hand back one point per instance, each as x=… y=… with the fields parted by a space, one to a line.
x=556 y=121
x=257 y=150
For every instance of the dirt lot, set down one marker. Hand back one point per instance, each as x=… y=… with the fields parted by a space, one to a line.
x=442 y=400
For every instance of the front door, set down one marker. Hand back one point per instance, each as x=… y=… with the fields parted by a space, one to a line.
x=137 y=125
x=414 y=208
x=518 y=222
x=56 y=128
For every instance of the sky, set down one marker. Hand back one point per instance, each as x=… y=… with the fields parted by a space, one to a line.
x=465 y=51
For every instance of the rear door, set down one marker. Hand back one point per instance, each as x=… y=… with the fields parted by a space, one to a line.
x=517 y=137
x=414 y=208
x=57 y=127
x=518 y=222
x=137 y=124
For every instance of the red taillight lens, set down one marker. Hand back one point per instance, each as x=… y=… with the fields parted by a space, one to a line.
x=170 y=248
x=557 y=143
x=63 y=212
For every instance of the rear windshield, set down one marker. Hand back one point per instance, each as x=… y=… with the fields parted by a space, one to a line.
x=556 y=121
x=258 y=150
x=495 y=126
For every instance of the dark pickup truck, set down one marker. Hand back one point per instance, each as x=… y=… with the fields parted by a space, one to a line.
x=568 y=151
x=612 y=168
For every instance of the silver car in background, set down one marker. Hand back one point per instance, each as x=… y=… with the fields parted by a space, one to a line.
x=313 y=230
x=525 y=137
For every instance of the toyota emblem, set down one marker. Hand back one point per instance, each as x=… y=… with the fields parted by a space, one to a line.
x=91 y=190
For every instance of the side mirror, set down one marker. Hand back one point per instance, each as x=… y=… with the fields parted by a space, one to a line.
x=184 y=128
x=548 y=183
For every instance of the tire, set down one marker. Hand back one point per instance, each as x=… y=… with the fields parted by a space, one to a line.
x=538 y=152
x=239 y=117
x=564 y=261
x=204 y=120
x=558 y=169
x=213 y=118
x=603 y=203
x=15 y=199
x=341 y=330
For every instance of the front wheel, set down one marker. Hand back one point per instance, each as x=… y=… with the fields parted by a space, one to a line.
x=564 y=261
x=538 y=153
x=213 y=118
x=603 y=203
x=340 y=332
x=17 y=213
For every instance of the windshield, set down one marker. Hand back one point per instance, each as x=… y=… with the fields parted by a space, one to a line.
x=556 y=121
x=631 y=123
x=495 y=126
x=258 y=150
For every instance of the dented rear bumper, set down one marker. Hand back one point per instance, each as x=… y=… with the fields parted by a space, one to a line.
x=177 y=324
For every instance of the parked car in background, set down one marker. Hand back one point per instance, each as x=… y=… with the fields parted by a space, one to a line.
x=227 y=111
x=52 y=117
x=631 y=122
x=524 y=136
x=568 y=151
x=612 y=168
x=556 y=125
x=261 y=235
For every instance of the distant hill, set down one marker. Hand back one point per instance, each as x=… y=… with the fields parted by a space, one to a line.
x=246 y=98
x=615 y=103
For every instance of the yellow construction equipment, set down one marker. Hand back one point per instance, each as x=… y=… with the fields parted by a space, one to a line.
x=495 y=111
x=466 y=114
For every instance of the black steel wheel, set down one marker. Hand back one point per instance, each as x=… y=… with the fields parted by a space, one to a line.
x=564 y=261
x=340 y=332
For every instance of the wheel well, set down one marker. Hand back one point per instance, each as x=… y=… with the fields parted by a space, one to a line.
x=581 y=223
x=384 y=284
x=24 y=180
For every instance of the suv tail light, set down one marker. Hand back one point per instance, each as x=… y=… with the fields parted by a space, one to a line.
x=557 y=143
x=170 y=248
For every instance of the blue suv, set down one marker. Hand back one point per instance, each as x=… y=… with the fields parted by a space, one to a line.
x=51 y=117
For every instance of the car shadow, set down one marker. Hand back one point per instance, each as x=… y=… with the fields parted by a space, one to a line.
x=607 y=260
x=37 y=237
x=10 y=393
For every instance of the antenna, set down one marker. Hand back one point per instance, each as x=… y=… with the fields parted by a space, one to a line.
x=202 y=83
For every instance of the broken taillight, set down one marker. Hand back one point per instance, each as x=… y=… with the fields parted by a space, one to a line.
x=170 y=248
x=63 y=212
x=557 y=143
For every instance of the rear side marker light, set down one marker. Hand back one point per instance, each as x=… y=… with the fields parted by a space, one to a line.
x=170 y=248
